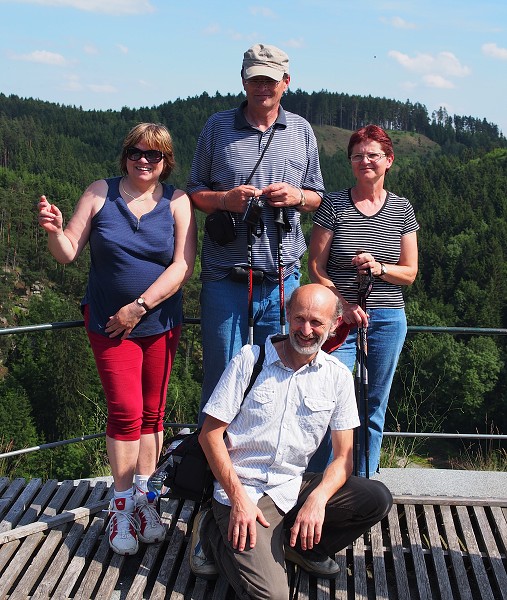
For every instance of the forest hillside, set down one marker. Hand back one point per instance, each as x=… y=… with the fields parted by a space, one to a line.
x=452 y=168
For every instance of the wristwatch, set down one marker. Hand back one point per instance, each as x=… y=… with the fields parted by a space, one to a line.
x=142 y=302
x=383 y=269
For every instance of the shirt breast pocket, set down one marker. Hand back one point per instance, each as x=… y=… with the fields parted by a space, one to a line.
x=294 y=172
x=261 y=405
x=315 y=414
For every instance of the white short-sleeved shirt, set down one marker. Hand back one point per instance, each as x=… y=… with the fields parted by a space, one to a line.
x=273 y=433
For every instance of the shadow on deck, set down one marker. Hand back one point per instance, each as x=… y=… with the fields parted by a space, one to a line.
x=53 y=545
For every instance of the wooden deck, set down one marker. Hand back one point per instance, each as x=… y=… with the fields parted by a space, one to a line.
x=53 y=545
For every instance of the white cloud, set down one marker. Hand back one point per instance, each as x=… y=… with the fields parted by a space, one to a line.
x=123 y=49
x=42 y=57
x=437 y=81
x=102 y=89
x=398 y=23
x=212 y=29
x=111 y=7
x=73 y=84
x=90 y=49
x=494 y=51
x=262 y=11
x=294 y=43
x=443 y=63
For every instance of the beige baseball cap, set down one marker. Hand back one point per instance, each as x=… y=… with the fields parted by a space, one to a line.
x=265 y=60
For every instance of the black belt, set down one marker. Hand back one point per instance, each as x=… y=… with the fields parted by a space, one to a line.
x=241 y=274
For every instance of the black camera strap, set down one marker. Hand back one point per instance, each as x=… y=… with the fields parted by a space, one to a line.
x=249 y=178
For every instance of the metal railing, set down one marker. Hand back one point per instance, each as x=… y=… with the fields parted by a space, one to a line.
x=196 y=321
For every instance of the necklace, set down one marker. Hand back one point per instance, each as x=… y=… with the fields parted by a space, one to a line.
x=139 y=198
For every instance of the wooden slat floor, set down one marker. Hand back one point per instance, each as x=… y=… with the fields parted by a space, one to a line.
x=53 y=545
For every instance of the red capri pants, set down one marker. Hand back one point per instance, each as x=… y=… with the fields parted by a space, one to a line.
x=134 y=374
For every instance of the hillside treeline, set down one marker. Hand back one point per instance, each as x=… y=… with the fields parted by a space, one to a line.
x=49 y=389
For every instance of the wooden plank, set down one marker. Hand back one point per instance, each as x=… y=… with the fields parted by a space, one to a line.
x=4 y=484
x=31 y=546
x=140 y=581
x=60 y=563
x=182 y=582
x=421 y=572
x=359 y=562
x=437 y=554
x=111 y=574
x=10 y=494
x=474 y=554
x=501 y=525
x=167 y=567
x=341 y=580
x=6 y=553
x=456 y=555
x=94 y=570
x=323 y=589
x=493 y=554
x=57 y=520
x=85 y=549
x=17 y=564
x=450 y=500
x=38 y=504
x=379 y=567
x=18 y=508
x=400 y=570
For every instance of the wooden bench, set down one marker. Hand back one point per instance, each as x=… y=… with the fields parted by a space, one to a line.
x=53 y=544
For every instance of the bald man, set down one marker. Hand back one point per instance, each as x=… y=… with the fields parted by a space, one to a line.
x=265 y=507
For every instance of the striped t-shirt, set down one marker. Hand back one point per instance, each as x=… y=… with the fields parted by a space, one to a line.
x=379 y=234
x=227 y=151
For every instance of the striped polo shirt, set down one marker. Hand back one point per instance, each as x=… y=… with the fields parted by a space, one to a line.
x=379 y=234
x=227 y=151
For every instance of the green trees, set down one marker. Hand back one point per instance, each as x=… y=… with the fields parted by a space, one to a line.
x=49 y=388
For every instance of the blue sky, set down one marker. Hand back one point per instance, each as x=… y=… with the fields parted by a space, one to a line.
x=106 y=54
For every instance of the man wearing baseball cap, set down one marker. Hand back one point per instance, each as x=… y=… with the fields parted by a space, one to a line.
x=255 y=169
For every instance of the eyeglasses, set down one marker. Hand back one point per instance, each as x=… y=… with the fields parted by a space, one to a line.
x=152 y=156
x=371 y=156
x=260 y=83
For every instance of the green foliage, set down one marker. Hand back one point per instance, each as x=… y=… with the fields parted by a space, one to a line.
x=452 y=169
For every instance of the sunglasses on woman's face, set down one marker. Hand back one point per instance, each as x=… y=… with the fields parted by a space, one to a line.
x=152 y=156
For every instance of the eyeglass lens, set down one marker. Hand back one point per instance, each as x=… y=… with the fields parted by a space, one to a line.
x=371 y=156
x=152 y=156
x=269 y=83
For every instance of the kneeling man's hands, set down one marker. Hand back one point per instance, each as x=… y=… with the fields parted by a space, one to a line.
x=242 y=524
x=308 y=523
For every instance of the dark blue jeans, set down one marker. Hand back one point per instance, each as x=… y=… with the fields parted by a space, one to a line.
x=386 y=333
x=224 y=322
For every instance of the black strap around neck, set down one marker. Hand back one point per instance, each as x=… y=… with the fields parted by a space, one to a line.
x=262 y=155
x=257 y=369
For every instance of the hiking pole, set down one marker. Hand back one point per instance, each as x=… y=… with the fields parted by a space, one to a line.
x=250 y=286
x=365 y=284
x=280 y=224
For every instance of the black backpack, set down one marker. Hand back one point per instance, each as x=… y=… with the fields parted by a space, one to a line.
x=186 y=471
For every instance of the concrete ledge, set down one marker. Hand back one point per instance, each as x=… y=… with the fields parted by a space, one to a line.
x=444 y=482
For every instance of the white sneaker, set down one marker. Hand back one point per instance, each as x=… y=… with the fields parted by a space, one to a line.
x=122 y=529
x=150 y=528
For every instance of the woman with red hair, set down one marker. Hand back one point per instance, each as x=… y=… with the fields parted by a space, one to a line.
x=358 y=231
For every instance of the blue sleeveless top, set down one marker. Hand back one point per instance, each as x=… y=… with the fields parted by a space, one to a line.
x=127 y=255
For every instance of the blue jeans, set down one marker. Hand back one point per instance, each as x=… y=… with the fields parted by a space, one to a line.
x=387 y=328
x=224 y=322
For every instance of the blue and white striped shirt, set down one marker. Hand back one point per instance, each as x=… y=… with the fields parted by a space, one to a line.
x=277 y=428
x=227 y=151
x=379 y=234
